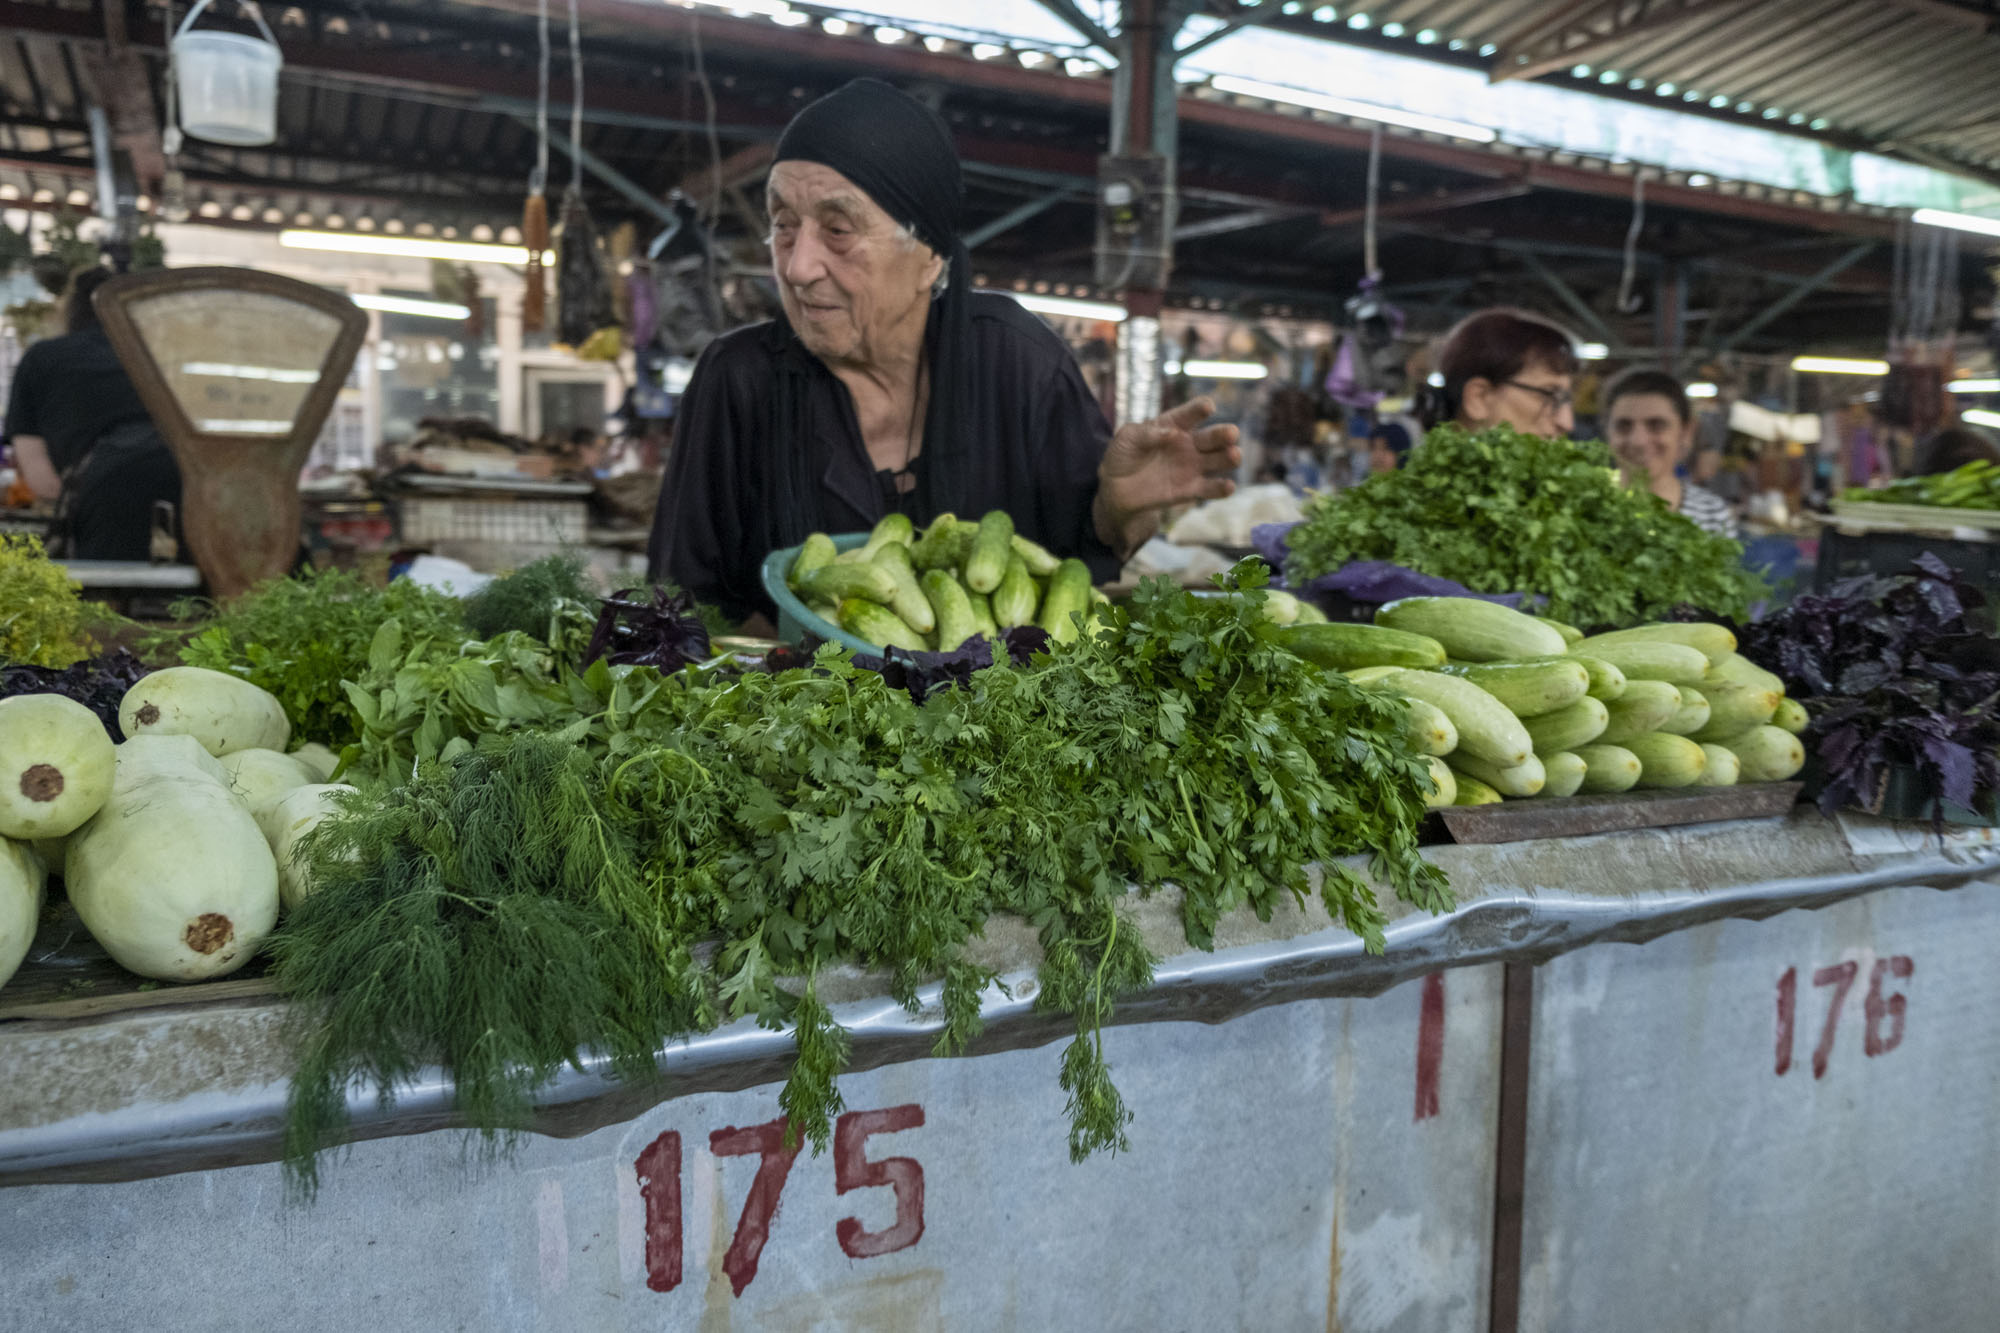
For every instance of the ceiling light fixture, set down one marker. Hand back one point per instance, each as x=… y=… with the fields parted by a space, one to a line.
x=1974 y=386
x=1839 y=365
x=1072 y=308
x=1938 y=217
x=1345 y=106
x=1702 y=389
x=1225 y=370
x=1592 y=352
x=403 y=305
x=406 y=247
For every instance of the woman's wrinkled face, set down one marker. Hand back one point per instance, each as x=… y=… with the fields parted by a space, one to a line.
x=1647 y=434
x=848 y=276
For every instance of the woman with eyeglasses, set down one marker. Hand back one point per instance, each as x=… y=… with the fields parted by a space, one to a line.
x=1505 y=367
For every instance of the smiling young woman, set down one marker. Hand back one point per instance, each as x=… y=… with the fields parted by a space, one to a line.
x=1650 y=427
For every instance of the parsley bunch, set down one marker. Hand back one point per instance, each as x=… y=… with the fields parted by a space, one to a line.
x=645 y=856
x=1500 y=511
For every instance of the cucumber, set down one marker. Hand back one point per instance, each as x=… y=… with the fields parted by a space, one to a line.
x=950 y=608
x=1713 y=642
x=909 y=601
x=893 y=529
x=1642 y=708
x=1740 y=670
x=1444 y=785
x=1571 y=634
x=1486 y=730
x=827 y=611
x=1791 y=716
x=1345 y=647
x=986 y=562
x=938 y=547
x=1069 y=593
x=1607 y=682
x=1607 y=768
x=879 y=625
x=838 y=582
x=1768 y=754
x=1374 y=675
x=1649 y=659
x=1529 y=689
x=1014 y=601
x=814 y=551
x=1523 y=779
x=1471 y=791
x=1722 y=770
x=1280 y=608
x=982 y=612
x=1041 y=562
x=1691 y=716
x=1734 y=709
x=1566 y=728
x=1429 y=730
x=1565 y=773
x=1474 y=630
x=1667 y=760
x=1310 y=614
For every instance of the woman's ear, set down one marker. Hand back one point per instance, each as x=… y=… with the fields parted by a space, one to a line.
x=1475 y=400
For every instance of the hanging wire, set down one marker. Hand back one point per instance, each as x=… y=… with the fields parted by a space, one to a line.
x=708 y=120
x=1628 y=302
x=538 y=179
x=1368 y=264
x=1899 y=296
x=576 y=103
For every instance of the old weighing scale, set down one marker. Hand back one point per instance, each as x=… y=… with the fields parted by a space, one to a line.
x=239 y=370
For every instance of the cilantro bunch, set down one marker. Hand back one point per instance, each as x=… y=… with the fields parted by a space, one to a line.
x=1500 y=511
x=616 y=859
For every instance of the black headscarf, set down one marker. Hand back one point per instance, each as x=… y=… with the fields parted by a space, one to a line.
x=899 y=152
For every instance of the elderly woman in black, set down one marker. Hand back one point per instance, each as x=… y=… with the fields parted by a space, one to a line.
x=889 y=385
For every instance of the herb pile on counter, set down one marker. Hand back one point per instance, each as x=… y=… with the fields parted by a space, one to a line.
x=43 y=620
x=547 y=877
x=1899 y=671
x=1499 y=511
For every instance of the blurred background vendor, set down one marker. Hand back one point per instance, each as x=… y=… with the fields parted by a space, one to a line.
x=888 y=385
x=1505 y=367
x=1650 y=427
x=81 y=437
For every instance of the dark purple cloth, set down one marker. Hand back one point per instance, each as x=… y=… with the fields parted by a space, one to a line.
x=1375 y=581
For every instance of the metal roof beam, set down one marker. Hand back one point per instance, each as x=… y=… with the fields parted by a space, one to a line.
x=1067 y=11
x=1601 y=26
x=1014 y=217
x=1799 y=293
x=605 y=172
x=1567 y=295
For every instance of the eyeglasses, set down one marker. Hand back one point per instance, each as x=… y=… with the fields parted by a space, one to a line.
x=1555 y=399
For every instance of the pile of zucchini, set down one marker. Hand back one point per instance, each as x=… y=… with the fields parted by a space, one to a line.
x=932 y=592
x=1509 y=705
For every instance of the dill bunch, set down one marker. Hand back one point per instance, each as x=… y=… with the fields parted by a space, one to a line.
x=551 y=599
x=43 y=621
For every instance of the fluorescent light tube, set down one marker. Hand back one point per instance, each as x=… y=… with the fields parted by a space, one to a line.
x=1981 y=418
x=1839 y=365
x=1347 y=106
x=407 y=247
x=403 y=305
x=1063 y=305
x=1974 y=386
x=1225 y=370
x=1592 y=352
x=1938 y=217
x=1702 y=389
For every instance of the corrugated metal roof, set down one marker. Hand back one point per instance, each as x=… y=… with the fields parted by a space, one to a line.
x=1910 y=76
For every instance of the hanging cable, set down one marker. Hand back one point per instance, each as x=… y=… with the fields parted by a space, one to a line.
x=708 y=121
x=576 y=102
x=1628 y=300
x=1369 y=267
x=538 y=179
x=535 y=212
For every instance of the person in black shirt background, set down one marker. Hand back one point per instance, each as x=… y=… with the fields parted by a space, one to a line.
x=81 y=437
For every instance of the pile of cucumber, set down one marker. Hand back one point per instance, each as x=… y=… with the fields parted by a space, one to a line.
x=932 y=592
x=1509 y=705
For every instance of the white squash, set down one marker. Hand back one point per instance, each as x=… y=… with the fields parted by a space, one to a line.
x=319 y=759
x=56 y=763
x=225 y=713
x=21 y=877
x=287 y=820
x=172 y=876
x=259 y=777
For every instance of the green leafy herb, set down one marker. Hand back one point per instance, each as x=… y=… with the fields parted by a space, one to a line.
x=569 y=844
x=551 y=598
x=43 y=622
x=301 y=637
x=1500 y=511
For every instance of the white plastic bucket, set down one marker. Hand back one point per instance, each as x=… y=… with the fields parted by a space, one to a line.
x=227 y=83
